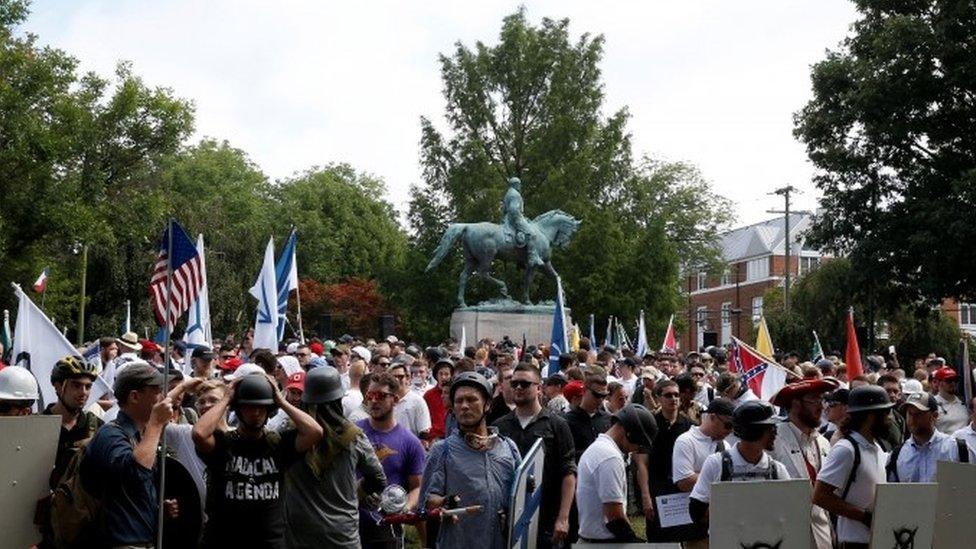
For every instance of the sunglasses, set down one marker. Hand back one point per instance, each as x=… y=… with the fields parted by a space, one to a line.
x=225 y=357
x=522 y=383
x=599 y=395
x=302 y=354
x=376 y=396
x=697 y=374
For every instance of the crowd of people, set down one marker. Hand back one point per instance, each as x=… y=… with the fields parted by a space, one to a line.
x=343 y=443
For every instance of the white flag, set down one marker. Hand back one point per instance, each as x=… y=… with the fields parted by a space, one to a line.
x=38 y=345
x=265 y=290
x=642 y=346
x=198 y=315
x=464 y=339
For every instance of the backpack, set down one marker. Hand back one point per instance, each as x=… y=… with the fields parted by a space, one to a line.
x=75 y=511
x=891 y=469
x=727 y=472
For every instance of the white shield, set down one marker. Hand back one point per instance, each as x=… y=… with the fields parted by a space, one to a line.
x=954 y=517
x=904 y=516
x=27 y=449
x=771 y=514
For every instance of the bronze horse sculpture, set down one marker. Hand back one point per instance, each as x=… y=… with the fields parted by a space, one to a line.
x=482 y=242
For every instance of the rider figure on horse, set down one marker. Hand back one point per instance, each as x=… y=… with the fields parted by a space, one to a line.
x=514 y=220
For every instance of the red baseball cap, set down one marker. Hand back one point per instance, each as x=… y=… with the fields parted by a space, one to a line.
x=945 y=373
x=296 y=381
x=573 y=389
x=316 y=348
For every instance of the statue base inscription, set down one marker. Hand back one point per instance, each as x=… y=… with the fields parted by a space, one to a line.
x=496 y=319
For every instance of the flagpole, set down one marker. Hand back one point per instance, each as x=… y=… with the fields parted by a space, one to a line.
x=81 y=308
x=298 y=300
x=43 y=295
x=766 y=359
x=166 y=359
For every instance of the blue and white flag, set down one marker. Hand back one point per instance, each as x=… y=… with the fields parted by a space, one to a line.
x=265 y=290
x=286 y=274
x=198 y=332
x=641 y=337
x=560 y=343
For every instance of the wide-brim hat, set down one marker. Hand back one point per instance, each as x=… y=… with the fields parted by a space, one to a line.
x=130 y=340
x=788 y=392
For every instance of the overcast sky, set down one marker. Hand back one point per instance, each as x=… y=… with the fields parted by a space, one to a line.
x=299 y=84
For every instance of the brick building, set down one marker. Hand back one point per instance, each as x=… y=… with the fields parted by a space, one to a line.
x=729 y=304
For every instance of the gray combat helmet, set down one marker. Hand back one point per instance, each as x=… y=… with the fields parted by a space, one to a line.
x=638 y=423
x=322 y=384
x=868 y=397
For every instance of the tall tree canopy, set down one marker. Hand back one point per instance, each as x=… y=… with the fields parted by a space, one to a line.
x=890 y=130
x=531 y=106
x=86 y=160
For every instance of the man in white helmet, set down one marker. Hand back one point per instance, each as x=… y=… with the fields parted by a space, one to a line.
x=18 y=391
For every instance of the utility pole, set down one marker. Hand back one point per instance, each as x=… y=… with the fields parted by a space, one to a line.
x=81 y=304
x=785 y=193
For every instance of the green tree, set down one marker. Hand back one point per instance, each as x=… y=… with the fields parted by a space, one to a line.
x=820 y=301
x=77 y=158
x=889 y=129
x=531 y=106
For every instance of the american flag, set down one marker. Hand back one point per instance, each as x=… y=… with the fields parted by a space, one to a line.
x=187 y=277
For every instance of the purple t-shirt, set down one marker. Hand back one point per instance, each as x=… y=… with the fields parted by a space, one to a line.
x=398 y=450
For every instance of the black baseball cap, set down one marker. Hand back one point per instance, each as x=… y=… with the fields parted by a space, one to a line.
x=720 y=407
x=202 y=352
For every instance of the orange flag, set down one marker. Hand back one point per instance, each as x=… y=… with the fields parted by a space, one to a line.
x=852 y=355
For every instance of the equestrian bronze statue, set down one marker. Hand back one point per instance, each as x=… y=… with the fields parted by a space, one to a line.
x=529 y=242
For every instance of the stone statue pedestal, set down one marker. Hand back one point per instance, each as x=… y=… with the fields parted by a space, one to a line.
x=506 y=318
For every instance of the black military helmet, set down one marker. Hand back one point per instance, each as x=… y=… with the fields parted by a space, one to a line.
x=868 y=397
x=754 y=412
x=471 y=379
x=750 y=419
x=322 y=384
x=254 y=389
x=638 y=423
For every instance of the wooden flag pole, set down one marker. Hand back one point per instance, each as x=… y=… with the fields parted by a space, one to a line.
x=766 y=359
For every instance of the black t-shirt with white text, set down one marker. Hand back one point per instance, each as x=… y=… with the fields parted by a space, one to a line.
x=245 y=479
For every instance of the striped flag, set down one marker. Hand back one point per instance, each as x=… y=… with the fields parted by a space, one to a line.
x=41 y=283
x=670 y=344
x=187 y=276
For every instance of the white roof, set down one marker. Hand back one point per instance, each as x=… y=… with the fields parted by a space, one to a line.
x=765 y=238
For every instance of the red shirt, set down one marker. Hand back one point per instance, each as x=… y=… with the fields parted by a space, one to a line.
x=438 y=412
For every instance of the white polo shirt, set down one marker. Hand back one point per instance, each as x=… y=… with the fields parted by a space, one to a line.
x=690 y=450
x=602 y=478
x=835 y=472
x=711 y=471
